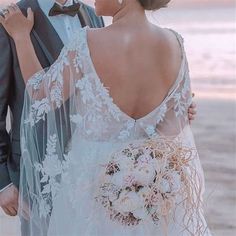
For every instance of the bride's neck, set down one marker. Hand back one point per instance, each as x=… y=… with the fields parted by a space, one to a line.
x=130 y=14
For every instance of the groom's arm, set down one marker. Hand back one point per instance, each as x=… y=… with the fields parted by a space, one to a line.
x=5 y=79
x=8 y=192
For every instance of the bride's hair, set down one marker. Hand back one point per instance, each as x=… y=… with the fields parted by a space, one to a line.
x=153 y=5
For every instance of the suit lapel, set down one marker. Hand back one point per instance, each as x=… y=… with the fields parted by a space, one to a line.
x=45 y=34
x=85 y=16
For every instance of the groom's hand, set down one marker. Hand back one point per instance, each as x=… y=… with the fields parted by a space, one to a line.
x=192 y=110
x=15 y=23
x=9 y=200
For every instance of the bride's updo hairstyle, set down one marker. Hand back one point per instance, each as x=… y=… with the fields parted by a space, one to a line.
x=152 y=5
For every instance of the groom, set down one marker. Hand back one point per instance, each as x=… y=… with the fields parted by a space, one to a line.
x=55 y=22
x=53 y=27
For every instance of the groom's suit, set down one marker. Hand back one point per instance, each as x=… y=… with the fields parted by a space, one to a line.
x=48 y=45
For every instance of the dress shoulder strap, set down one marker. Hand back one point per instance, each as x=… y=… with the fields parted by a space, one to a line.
x=180 y=40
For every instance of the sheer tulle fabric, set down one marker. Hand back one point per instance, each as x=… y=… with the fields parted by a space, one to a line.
x=71 y=130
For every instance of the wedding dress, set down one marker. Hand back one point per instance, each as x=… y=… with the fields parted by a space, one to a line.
x=90 y=169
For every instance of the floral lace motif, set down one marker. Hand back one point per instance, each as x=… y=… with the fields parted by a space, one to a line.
x=51 y=169
x=51 y=81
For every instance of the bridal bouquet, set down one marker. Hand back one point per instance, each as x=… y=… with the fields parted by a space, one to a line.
x=144 y=180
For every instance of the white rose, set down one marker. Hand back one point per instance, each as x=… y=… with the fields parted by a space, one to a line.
x=144 y=174
x=143 y=193
x=157 y=164
x=127 y=202
x=129 y=180
x=176 y=182
x=171 y=183
x=118 y=179
x=124 y=162
x=123 y=179
x=112 y=196
x=145 y=158
x=140 y=213
x=165 y=186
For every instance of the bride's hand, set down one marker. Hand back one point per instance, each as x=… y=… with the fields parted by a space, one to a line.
x=15 y=23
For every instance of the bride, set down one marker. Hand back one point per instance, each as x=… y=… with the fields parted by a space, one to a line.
x=117 y=155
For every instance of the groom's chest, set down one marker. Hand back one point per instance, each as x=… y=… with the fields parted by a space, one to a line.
x=64 y=25
x=50 y=34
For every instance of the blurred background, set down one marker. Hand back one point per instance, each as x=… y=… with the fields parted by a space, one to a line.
x=209 y=30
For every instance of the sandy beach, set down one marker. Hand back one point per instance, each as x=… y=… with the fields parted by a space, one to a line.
x=215 y=136
x=210 y=37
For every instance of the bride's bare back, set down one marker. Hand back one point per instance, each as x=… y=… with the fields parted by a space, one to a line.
x=137 y=64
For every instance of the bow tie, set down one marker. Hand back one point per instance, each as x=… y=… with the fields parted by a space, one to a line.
x=70 y=10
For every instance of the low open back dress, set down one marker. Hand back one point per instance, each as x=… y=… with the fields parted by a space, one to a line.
x=93 y=170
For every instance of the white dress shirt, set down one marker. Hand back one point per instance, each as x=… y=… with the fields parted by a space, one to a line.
x=63 y=24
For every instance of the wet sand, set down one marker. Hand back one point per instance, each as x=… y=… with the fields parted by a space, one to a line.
x=215 y=136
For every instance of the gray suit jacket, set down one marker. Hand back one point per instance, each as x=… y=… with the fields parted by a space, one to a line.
x=47 y=45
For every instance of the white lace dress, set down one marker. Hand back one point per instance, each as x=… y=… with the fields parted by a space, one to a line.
x=114 y=175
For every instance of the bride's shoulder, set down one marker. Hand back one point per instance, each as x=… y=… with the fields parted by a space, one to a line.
x=98 y=36
x=173 y=36
x=96 y=32
x=177 y=34
x=167 y=33
x=169 y=38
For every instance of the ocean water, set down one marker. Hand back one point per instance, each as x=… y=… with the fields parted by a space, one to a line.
x=210 y=43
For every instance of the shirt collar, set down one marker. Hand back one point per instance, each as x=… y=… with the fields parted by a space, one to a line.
x=46 y=5
x=68 y=3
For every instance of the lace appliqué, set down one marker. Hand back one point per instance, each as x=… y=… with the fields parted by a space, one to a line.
x=183 y=99
x=51 y=170
x=125 y=133
x=51 y=83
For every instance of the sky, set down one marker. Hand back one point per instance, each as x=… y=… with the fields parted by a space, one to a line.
x=189 y=3
x=202 y=2
x=181 y=3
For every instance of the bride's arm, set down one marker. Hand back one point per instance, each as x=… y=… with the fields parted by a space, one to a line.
x=56 y=79
x=28 y=61
x=19 y=28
